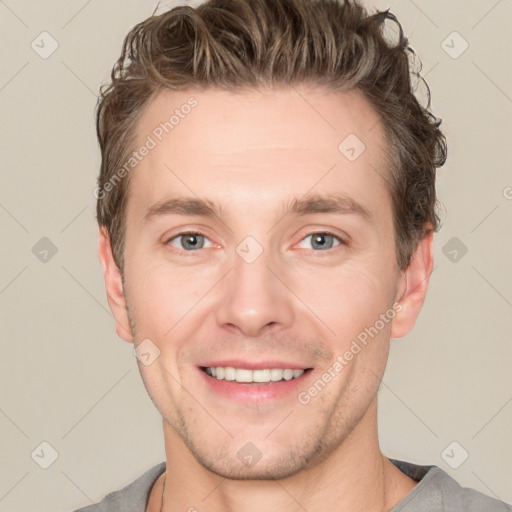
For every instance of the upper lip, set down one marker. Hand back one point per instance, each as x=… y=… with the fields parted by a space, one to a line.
x=255 y=365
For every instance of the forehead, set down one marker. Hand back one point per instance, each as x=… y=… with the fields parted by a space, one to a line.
x=284 y=116
x=258 y=144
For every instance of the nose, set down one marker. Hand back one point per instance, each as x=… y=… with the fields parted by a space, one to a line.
x=253 y=300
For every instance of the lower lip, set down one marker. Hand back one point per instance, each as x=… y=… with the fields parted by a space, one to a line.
x=244 y=392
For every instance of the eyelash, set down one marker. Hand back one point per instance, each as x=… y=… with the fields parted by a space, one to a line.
x=328 y=233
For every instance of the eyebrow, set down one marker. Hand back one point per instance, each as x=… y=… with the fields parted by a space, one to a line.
x=330 y=203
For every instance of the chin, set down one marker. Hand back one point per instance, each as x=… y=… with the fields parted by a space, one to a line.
x=268 y=469
x=248 y=462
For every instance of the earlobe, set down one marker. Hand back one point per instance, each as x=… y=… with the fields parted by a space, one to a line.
x=413 y=287
x=114 y=286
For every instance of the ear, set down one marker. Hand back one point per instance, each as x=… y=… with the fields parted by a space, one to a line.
x=114 y=286
x=413 y=286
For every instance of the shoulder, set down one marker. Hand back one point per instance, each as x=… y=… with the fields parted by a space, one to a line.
x=437 y=491
x=131 y=498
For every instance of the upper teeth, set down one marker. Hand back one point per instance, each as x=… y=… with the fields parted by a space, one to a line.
x=244 y=375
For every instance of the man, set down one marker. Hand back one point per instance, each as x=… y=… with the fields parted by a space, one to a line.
x=266 y=206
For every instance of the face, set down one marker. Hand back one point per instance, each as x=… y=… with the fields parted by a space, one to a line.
x=260 y=239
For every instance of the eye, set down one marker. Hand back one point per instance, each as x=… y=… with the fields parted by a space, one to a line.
x=323 y=240
x=193 y=241
x=189 y=241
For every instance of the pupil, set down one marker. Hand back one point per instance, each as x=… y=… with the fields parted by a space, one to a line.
x=191 y=241
x=320 y=240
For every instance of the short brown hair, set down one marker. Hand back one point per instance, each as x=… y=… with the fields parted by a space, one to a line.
x=235 y=44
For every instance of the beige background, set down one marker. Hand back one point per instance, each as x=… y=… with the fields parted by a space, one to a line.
x=68 y=380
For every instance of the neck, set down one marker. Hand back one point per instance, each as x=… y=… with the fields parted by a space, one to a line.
x=355 y=476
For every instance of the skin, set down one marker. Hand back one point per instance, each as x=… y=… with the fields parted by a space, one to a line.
x=252 y=153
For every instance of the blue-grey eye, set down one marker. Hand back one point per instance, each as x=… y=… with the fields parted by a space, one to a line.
x=189 y=241
x=322 y=241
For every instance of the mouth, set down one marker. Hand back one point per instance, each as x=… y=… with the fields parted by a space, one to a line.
x=256 y=376
x=270 y=381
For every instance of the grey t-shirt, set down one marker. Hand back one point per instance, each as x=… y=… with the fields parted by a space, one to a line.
x=436 y=492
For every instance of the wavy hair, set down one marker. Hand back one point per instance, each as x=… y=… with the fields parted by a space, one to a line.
x=235 y=44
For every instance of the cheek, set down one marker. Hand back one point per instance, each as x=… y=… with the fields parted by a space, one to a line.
x=163 y=294
x=348 y=298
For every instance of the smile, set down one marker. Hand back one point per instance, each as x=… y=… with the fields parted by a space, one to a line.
x=260 y=376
